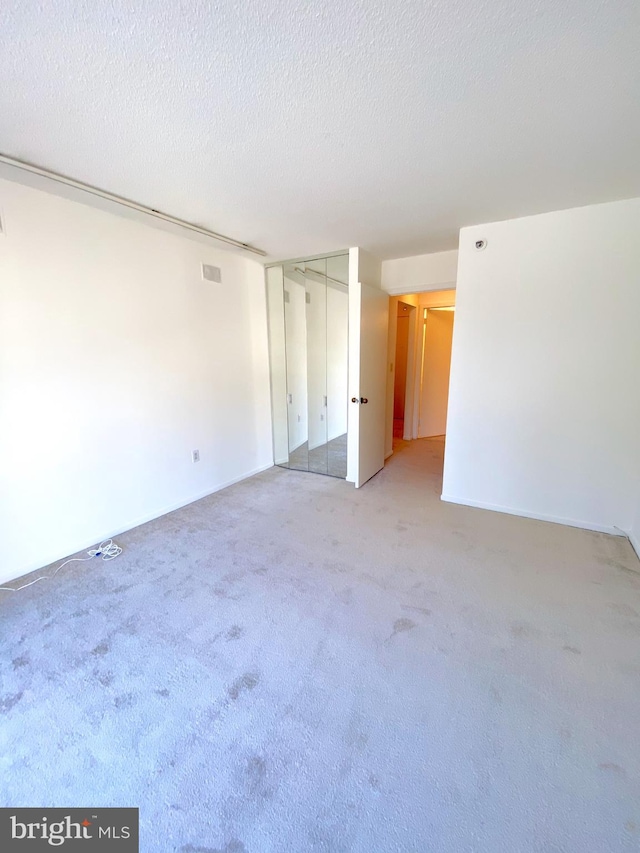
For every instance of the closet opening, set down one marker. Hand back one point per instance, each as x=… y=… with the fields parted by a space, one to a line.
x=308 y=314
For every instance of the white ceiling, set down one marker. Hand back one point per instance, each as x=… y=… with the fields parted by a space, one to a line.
x=304 y=126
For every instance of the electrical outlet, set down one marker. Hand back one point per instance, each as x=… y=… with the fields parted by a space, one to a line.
x=195 y=455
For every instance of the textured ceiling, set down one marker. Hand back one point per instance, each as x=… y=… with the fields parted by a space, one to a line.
x=310 y=126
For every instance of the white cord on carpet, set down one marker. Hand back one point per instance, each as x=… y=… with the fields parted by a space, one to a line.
x=108 y=550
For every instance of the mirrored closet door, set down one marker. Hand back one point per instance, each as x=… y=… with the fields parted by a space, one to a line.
x=308 y=341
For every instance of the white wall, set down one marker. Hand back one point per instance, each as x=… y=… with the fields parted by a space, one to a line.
x=116 y=361
x=436 y=271
x=364 y=267
x=544 y=402
x=634 y=530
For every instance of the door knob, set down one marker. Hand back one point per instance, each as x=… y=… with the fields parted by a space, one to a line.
x=355 y=400
x=362 y=400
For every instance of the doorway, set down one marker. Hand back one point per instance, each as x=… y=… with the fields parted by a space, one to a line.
x=420 y=337
x=404 y=322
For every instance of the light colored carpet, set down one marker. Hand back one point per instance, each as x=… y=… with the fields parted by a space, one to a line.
x=294 y=665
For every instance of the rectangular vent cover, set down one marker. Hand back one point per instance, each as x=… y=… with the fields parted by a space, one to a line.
x=210 y=273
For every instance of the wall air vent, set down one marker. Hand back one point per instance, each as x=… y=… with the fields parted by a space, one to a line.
x=210 y=273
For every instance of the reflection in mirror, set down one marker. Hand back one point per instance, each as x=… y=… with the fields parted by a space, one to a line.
x=337 y=364
x=278 y=362
x=316 y=288
x=295 y=322
x=308 y=347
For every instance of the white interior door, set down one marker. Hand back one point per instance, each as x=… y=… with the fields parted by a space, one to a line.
x=368 y=327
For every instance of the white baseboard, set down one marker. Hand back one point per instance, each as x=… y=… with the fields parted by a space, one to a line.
x=143 y=519
x=554 y=519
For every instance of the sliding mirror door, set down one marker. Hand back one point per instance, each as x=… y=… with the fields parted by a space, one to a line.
x=337 y=364
x=308 y=341
x=295 y=324
x=316 y=294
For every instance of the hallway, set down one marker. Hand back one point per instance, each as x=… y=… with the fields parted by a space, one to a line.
x=293 y=664
x=422 y=458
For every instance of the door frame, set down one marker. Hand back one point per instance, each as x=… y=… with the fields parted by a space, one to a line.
x=442 y=297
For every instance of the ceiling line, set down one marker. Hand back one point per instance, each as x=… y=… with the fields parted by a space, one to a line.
x=79 y=185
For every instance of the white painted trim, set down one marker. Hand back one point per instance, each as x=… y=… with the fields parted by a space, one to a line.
x=100 y=537
x=390 y=453
x=427 y=288
x=569 y=522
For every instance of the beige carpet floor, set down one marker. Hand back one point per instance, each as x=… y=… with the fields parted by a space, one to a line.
x=295 y=665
